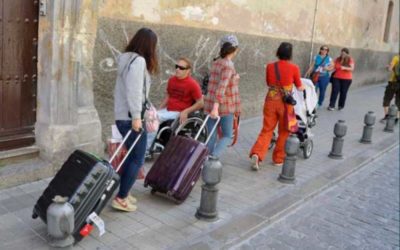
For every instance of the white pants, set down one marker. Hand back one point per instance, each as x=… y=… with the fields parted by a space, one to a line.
x=163 y=115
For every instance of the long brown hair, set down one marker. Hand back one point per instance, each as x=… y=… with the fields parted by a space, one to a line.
x=144 y=43
x=344 y=59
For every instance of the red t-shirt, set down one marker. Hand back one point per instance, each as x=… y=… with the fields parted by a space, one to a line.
x=289 y=74
x=182 y=93
x=343 y=74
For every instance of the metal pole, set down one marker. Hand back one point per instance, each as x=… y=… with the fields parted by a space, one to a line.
x=313 y=31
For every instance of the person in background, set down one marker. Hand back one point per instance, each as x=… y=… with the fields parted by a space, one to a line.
x=134 y=68
x=222 y=99
x=341 y=79
x=323 y=64
x=182 y=98
x=392 y=89
x=275 y=108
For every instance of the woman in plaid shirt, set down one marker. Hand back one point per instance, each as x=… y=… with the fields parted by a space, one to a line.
x=222 y=97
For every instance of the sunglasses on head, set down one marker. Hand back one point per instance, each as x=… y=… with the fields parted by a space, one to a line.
x=324 y=49
x=180 y=67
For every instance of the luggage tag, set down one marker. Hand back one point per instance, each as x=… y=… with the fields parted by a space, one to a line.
x=98 y=222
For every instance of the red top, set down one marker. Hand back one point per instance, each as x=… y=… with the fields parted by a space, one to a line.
x=289 y=74
x=343 y=74
x=182 y=93
x=223 y=88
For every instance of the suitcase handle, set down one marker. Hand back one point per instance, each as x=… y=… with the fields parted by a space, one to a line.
x=212 y=130
x=121 y=145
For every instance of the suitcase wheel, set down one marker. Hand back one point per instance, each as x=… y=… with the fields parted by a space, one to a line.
x=34 y=215
x=178 y=202
x=153 y=191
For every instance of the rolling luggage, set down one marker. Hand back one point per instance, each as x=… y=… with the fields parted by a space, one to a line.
x=88 y=182
x=177 y=169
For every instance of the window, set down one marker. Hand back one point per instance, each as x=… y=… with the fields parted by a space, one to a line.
x=388 y=21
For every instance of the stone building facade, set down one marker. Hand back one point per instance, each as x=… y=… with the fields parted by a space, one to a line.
x=79 y=41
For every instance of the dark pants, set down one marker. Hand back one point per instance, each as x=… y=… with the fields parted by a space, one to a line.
x=135 y=160
x=392 y=90
x=339 y=87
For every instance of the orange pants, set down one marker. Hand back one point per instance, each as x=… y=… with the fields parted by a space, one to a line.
x=274 y=111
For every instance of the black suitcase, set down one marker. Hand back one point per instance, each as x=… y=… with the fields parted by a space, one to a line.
x=88 y=182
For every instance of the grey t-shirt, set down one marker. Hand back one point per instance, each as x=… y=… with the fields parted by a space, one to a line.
x=129 y=93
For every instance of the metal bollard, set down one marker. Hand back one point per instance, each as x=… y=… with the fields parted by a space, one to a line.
x=60 y=222
x=339 y=130
x=212 y=173
x=390 y=122
x=369 y=120
x=291 y=147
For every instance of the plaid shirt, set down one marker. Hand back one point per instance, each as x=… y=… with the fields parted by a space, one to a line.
x=223 y=88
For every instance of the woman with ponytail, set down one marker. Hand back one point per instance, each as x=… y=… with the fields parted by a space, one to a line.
x=222 y=99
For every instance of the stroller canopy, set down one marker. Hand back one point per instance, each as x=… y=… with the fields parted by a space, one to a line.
x=307 y=104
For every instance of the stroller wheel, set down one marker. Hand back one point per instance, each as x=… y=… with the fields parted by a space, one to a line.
x=273 y=141
x=308 y=148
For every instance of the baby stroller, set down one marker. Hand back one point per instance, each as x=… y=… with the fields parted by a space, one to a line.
x=305 y=110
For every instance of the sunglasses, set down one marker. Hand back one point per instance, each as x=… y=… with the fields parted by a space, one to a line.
x=180 y=67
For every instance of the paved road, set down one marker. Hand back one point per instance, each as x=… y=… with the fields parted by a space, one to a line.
x=361 y=212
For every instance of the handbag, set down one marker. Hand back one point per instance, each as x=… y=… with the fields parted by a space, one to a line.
x=287 y=96
x=290 y=119
x=315 y=75
x=151 y=118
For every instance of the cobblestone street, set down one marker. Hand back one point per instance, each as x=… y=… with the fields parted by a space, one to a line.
x=360 y=212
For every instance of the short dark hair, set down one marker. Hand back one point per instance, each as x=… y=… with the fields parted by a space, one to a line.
x=323 y=47
x=346 y=50
x=226 y=49
x=284 y=51
x=144 y=43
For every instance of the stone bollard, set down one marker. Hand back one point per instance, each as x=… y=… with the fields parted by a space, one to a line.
x=390 y=122
x=369 y=121
x=60 y=222
x=291 y=147
x=212 y=173
x=339 y=130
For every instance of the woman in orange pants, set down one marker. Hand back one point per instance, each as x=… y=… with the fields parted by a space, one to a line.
x=280 y=77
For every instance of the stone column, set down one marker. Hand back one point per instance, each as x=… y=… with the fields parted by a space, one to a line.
x=66 y=116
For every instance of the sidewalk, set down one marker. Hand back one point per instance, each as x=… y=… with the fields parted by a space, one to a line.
x=248 y=200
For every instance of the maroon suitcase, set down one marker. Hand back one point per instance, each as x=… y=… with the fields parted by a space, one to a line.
x=177 y=169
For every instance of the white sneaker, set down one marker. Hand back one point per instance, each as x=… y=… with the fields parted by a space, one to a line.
x=255 y=162
x=131 y=199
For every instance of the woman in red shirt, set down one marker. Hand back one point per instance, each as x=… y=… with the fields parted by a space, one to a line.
x=275 y=108
x=341 y=79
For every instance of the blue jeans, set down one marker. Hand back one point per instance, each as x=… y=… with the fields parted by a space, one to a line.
x=134 y=161
x=322 y=83
x=226 y=124
x=163 y=115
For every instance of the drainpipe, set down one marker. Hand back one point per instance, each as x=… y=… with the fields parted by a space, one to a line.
x=313 y=31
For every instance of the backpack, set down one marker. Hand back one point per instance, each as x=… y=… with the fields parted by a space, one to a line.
x=396 y=70
x=204 y=83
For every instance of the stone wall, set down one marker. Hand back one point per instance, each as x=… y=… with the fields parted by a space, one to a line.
x=201 y=46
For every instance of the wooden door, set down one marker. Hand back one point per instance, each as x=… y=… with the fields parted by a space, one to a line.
x=18 y=72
